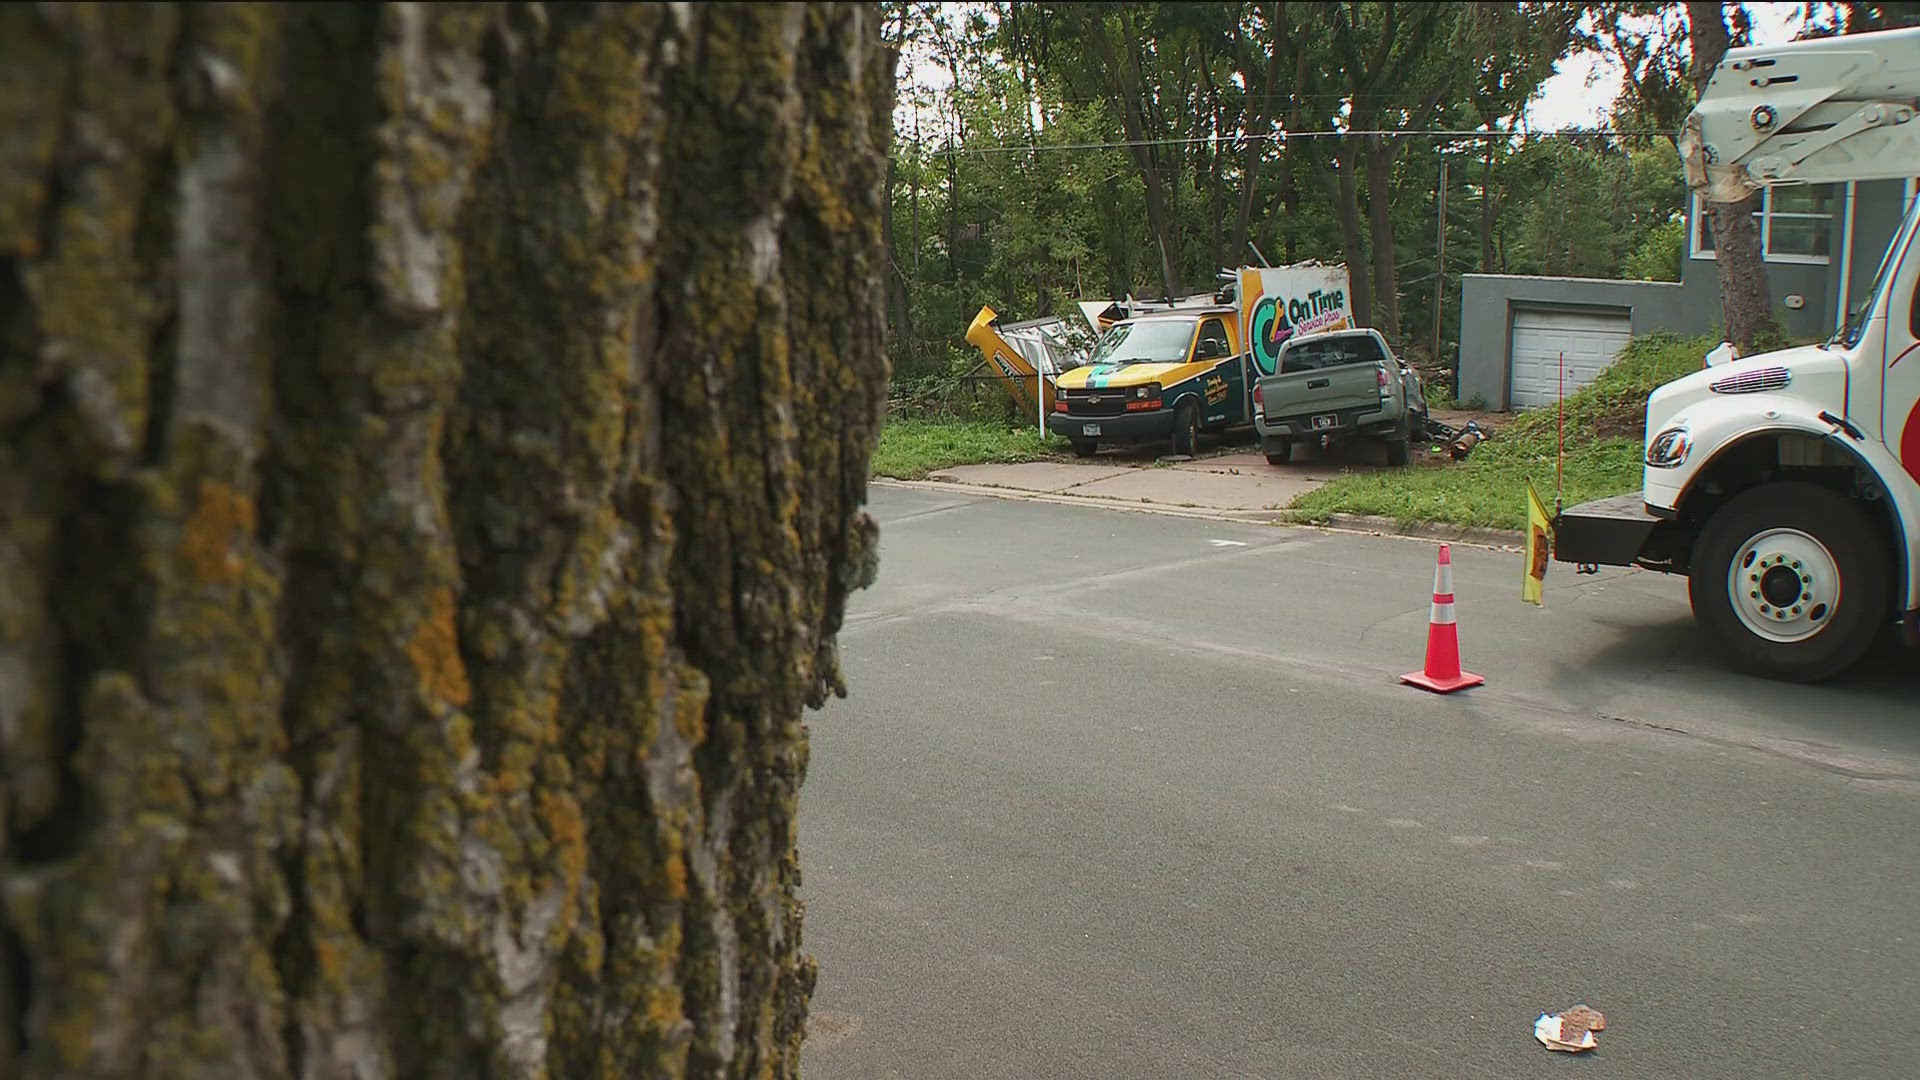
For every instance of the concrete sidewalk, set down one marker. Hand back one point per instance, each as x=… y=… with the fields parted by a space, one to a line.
x=1236 y=484
x=1229 y=484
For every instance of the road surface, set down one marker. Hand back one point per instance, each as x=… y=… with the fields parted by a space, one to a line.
x=1129 y=795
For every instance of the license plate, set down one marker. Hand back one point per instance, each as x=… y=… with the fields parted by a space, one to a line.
x=1324 y=421
x=1089 y=429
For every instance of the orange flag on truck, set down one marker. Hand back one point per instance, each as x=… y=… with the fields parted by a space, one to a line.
x=1539 y=545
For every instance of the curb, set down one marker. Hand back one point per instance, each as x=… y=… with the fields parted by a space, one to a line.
x=1427 y=530
x=1370 y=524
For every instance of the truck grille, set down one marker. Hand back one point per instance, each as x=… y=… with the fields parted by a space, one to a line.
x=1752 y=382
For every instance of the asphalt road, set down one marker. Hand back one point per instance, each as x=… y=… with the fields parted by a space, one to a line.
x=1127 y=795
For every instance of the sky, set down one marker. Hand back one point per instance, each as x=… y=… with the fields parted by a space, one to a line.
x=1584 y=85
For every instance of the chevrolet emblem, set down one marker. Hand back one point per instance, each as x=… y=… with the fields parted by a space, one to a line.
x=1093 y=399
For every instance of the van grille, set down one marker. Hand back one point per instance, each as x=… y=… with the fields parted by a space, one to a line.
x=1097 y=403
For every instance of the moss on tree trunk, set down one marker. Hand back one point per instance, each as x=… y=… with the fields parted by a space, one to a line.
x=432 y=444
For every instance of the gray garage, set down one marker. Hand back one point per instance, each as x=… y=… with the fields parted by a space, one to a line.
x=1515 y=329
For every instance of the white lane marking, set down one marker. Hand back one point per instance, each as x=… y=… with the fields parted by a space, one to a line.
x=1228 y=543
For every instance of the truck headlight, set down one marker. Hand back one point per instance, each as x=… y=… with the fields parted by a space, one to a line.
x=1669 y=449
x=1142 y=393
x=1059 y=392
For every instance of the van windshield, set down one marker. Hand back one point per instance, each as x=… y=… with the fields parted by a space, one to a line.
x=1149 y=341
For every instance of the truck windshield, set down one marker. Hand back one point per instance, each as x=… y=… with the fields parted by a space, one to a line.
x=1329 y=352
x=1849 y=336
x=1150 y=341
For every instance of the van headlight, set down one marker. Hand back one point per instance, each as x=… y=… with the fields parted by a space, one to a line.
x=1669 y=449
x=1142 y=393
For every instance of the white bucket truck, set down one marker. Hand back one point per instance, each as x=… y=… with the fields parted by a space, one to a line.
x=1786 y=485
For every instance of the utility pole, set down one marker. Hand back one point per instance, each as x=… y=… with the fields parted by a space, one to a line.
x=1440 y=260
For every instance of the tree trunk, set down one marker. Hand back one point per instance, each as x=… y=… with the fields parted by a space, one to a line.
x=1487 y=210
x=1746 y=309
x=1258 y=127
x=1345 y=195
x=1386 y=284
x=1746 y=304
x=899 y=335
x=432 y=440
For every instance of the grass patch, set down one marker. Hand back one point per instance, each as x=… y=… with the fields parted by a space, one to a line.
x=910 y=449
x=1605 y=432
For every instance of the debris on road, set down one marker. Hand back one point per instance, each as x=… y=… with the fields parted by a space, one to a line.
x=1571 y=1031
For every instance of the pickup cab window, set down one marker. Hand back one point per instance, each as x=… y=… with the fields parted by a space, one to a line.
x=1149 y=341
x=1330 y=352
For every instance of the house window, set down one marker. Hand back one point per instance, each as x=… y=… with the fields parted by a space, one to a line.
x=1796 y=224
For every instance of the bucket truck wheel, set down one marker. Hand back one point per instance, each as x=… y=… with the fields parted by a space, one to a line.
x=1790 y=581
x=1278 y=448
x=1084 y=447
x=1186 y=430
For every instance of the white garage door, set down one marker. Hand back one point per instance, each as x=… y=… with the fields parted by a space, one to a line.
x=1588 y=339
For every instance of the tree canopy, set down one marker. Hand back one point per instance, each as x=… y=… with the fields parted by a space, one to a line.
x=1047 y=151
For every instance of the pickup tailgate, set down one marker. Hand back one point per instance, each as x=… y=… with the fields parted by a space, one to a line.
x=1342 y=389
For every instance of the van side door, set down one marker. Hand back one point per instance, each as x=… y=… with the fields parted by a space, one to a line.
x=1224 y=388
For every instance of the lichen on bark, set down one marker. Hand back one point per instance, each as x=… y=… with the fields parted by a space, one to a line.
x=432 y=444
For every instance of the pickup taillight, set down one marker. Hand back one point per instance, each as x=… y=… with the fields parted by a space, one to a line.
x=1381 y=374
x=1256 y=396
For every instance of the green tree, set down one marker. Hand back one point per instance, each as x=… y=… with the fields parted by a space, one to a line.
x=1669 y=53
x=432 y=442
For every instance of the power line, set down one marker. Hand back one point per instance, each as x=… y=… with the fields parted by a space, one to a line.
x=1283 y=136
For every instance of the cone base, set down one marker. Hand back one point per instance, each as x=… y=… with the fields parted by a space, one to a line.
x=1441 y=686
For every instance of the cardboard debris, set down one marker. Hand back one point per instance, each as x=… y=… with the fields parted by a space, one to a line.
x=1571 y=1030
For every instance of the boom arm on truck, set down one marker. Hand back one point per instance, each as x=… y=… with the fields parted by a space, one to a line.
x=1807 y=112
x=1786 y=486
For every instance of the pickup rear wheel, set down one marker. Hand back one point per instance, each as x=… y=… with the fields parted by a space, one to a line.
x=1790 y=581
x=1399 y=452
x=1186 y=429
x=1084 y=447
x=1278 y=448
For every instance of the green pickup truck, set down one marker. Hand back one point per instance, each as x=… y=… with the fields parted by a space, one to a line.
x=1340 y=385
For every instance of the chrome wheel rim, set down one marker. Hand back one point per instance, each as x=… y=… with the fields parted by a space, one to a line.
x=1784 y=584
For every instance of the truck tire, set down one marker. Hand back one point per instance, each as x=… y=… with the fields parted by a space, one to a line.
x=1186 y=429
x=1790 y=582
x=1278 y=448
x=1084 y=447
x=1399 y=452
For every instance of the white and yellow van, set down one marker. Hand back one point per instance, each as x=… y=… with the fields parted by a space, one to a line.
x=1161 y=376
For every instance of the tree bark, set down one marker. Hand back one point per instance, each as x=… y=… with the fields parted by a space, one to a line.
x=432 y=440
x=1746 y=304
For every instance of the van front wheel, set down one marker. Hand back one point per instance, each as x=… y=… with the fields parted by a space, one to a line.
x=1186 y=430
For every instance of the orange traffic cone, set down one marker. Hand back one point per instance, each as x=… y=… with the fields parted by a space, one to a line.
x=1443 y=674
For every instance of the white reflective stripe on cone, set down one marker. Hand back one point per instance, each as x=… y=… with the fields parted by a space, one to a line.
x=1443 y=578
x=1442 y=614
